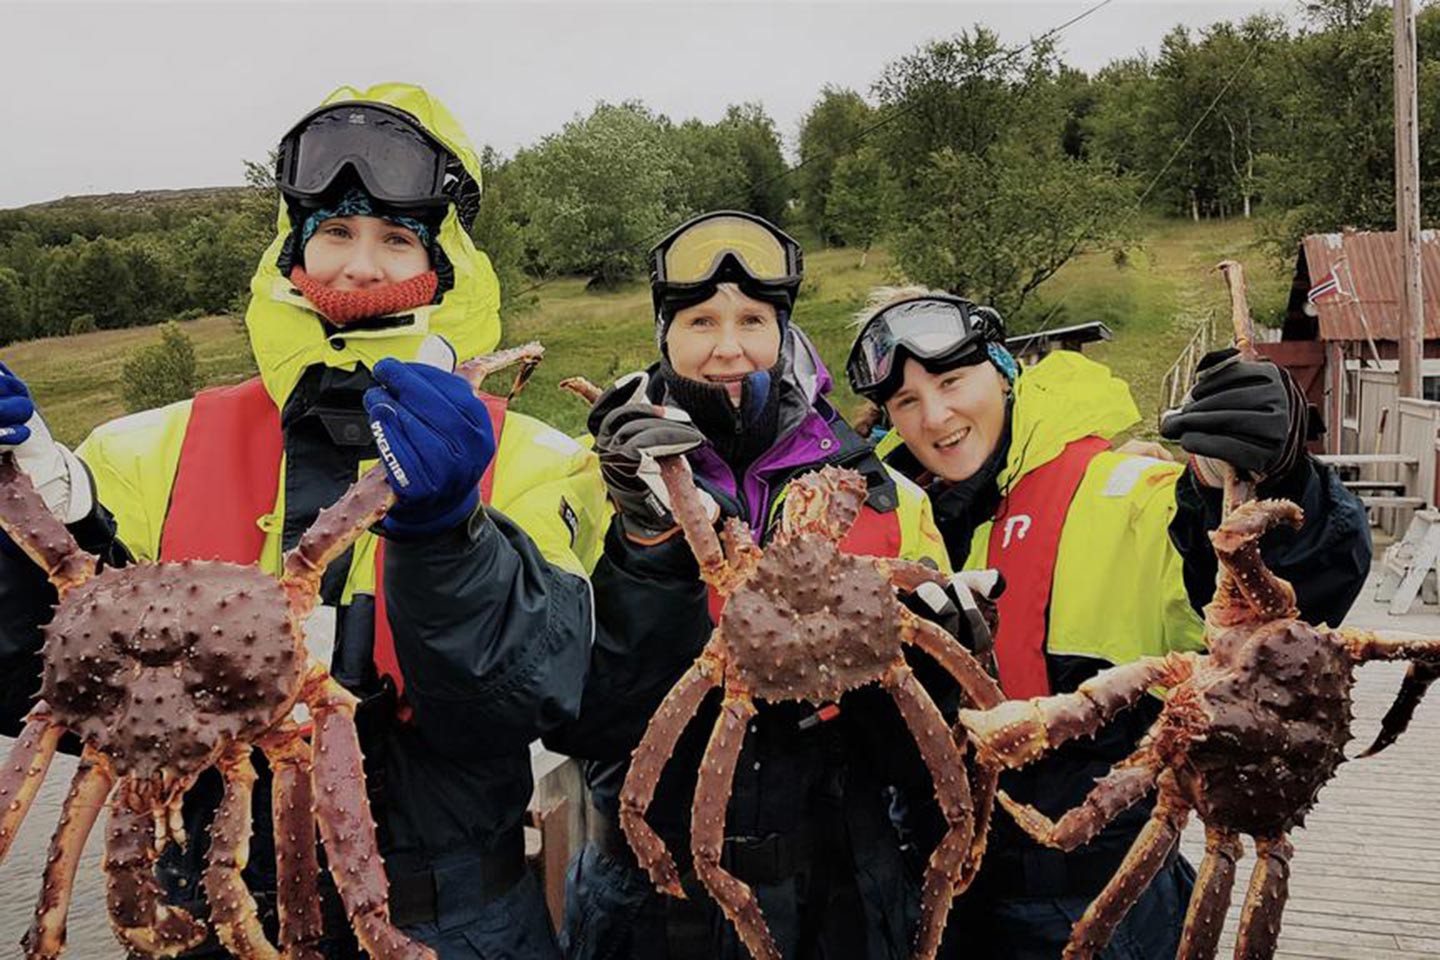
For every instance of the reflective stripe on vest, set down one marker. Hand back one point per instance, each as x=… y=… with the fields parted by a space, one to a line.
x=874 y=534
x=1024 y=541
x=231 y=455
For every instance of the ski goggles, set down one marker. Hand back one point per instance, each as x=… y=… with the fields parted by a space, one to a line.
x=396 y=160
x=725 y=246
x=936 y=330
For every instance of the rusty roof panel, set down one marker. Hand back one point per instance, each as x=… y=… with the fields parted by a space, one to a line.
x=1368 y=267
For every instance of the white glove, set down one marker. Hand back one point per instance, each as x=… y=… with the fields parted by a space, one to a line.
x=57 y=473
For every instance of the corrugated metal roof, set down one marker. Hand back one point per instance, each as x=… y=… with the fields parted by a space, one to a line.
x=1368 y=267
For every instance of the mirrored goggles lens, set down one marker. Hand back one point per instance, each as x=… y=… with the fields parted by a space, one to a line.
x=694 y=255
x=927 y=329
x=395 y=161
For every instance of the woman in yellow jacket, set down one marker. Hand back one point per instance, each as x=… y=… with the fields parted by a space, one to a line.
x=467 y=635
x=1105 y=556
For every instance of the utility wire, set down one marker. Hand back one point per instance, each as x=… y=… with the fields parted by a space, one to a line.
x=1154 y=181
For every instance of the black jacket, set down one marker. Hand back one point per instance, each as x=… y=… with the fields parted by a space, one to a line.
x=491 y=637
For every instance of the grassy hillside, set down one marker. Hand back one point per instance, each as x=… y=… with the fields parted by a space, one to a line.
x=1152 y=302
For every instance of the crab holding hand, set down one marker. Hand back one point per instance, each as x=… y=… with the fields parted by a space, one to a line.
x=435 y=440
x=1246 y=413
x=631 y=435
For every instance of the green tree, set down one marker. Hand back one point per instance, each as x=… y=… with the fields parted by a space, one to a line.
x=600 y=191
x=832 y=129
x=862 y=199
x=162 y=372
x=994 y=228
x=14 y=322
x=733 y=164
x=966 y=94
x=991 y=202
x=498 y=233
x=1336 y=167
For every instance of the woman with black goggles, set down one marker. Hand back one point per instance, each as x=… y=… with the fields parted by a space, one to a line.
x=459 y=624
x=742 y=393
x=1106 y=559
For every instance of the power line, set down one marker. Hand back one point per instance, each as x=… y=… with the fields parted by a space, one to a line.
x=1154 y=181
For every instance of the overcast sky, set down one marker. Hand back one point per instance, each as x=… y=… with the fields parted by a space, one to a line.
x=119 y=96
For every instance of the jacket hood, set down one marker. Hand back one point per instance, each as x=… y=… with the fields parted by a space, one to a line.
x=1062 y=398
x=287 y=334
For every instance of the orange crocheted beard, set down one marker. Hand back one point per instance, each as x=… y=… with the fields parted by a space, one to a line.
x=346 y=306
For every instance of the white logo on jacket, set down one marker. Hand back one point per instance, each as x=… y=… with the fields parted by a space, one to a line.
x=1018 y=526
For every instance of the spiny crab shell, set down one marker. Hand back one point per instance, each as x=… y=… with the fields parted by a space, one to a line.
x=851 y=622
x=1276 y=724
x=160 y=666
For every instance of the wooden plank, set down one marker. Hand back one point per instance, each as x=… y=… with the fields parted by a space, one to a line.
x=1364 y=459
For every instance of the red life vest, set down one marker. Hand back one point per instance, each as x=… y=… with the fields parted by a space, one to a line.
x=874 y=534
x=1024 y=541
x=231 y=457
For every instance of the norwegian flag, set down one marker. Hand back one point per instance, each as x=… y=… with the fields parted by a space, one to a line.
x=1331 y=284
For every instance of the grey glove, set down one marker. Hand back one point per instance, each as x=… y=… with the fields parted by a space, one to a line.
x=631 y=433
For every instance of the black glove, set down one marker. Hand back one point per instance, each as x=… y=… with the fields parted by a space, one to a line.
x=630 y=433
x=966 y=608
x=1247 y=413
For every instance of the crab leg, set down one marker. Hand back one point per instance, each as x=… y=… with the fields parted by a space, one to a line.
x=1265 y=900
x=648 y=762
x=952 y=789
x=1211 y=898
x=233 y=912
x=138 y=915
x=1018 y=732
x=694 y=520
x=906 y=575
x=1243 y=570
x=297 y=866
x=1123 y=787
x=343 y=813
x=707 y=828
x=528 y=355
x=92 y=783
x=38 y=532
x=1412 y=690
x=740 y=551
x=1365 y=645
x=984 y=780
x=1144 y=860
x=25 y=770
x=980 y=688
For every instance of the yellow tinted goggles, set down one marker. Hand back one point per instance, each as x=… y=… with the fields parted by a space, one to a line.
x=696 y=251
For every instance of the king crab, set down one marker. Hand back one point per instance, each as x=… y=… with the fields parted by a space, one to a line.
x=1248 y=734
x=803 y=620
x=166 y=669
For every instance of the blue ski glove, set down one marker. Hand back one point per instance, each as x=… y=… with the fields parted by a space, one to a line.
x=435 y=440
x=16 y=409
